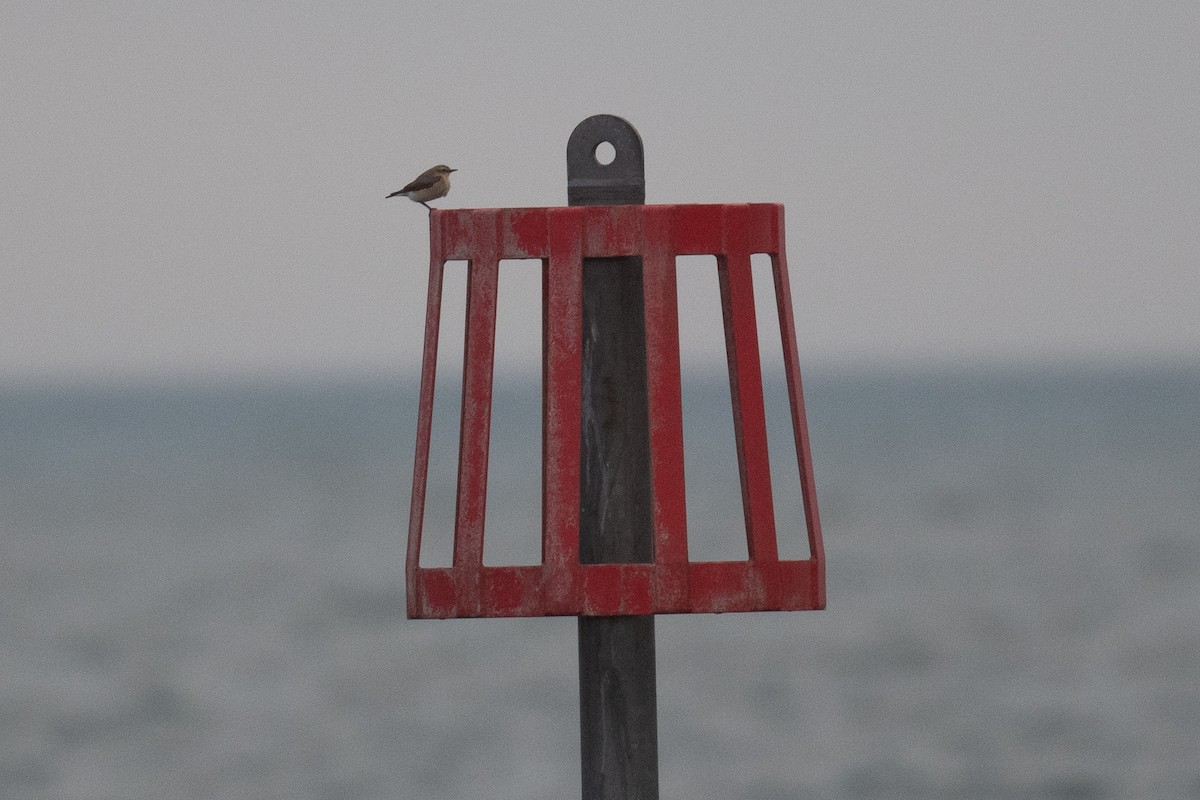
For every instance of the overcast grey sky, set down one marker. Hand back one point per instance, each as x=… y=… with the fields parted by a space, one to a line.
x=196 y=189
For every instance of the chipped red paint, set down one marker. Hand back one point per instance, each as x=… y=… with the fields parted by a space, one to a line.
x=560 y=585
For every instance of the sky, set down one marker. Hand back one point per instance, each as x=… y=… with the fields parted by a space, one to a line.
x=197 y=190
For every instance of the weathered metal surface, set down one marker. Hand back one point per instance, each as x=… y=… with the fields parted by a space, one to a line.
x=615 y=523
x=562 y=585
x=618 y=706
x=621 y=182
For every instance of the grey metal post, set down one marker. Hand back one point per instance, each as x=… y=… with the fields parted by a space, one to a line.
x=618 y=707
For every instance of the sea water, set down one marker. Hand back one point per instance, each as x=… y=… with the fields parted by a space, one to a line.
x=202 y=596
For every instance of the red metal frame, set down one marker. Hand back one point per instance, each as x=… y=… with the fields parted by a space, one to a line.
x=560 y=585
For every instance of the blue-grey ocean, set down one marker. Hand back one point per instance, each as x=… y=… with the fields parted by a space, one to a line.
x=202 y=596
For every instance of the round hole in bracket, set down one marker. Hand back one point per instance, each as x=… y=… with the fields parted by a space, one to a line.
x=605 y=153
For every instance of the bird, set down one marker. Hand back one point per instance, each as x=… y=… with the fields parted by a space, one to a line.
x=429 y=185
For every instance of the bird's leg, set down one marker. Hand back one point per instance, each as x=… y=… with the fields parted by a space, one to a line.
x=422 y=202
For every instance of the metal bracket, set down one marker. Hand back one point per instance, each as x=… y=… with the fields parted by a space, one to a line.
x=590 y=183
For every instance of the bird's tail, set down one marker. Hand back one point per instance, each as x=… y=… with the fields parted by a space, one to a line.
x=394 y=194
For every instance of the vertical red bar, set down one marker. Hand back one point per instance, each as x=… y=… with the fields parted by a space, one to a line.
x=479 y=351
x=666 y=408
x=561 y=391
x=745 y=379
x=791 y=366
x=416 y=511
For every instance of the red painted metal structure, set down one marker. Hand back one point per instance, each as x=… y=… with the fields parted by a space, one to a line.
x=561 y=585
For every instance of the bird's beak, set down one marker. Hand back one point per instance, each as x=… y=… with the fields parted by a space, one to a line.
x=454 y=170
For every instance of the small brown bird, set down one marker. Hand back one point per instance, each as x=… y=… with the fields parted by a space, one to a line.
x=429 y=185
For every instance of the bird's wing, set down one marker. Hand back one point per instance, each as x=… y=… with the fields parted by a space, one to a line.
x=422 y=181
